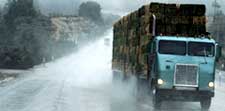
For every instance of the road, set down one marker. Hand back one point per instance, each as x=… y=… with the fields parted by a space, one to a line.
x=82 y=82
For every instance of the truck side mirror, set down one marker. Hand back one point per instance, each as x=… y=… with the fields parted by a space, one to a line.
x=218 y=52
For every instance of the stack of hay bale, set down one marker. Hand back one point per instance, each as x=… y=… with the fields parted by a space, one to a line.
x=134 y=32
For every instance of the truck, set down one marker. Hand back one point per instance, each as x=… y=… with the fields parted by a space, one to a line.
x=166 y=47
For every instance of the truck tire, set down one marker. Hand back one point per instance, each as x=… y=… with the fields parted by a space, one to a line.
x=205 y=103
x=139 y=88
x=136 y=90
x=156 y=101
x=116 y=77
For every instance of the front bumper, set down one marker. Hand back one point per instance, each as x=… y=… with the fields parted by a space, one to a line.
x=184 y=95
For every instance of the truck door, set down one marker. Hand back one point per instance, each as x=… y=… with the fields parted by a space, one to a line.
x=151 y=60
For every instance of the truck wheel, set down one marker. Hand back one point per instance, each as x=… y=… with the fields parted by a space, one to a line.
x=205 y=104
x=156 y=99
x=138 y=89
x=116 y=77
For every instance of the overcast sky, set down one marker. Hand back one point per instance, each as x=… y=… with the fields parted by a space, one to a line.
x=112 y=5
x=123 y=5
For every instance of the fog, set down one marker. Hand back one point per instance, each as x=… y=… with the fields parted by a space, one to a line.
x=115 y=6
x=82 y=81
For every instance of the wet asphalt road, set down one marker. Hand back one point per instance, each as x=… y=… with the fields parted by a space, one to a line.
x=82 y=82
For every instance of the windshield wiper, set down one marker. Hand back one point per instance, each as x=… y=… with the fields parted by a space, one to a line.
x=205 y=55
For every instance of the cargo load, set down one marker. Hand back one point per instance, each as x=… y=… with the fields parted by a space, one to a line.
x=133 y=32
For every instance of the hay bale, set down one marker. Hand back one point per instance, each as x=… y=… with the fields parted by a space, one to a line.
x=157 y=8
x=143 y=10
x=192 y=10
x=199 y=20
x=170 y=9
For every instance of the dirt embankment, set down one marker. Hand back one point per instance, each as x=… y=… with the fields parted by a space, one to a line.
x=76 y=29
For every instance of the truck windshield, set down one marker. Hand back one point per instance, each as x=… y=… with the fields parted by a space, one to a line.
x=201 y=49
x=172 y=47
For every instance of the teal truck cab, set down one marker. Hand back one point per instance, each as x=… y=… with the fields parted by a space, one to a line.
x=183 y=68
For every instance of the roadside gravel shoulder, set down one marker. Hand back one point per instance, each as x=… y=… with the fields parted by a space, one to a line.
x=7 y=75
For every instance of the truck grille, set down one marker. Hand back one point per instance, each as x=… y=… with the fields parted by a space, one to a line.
x=186 y=75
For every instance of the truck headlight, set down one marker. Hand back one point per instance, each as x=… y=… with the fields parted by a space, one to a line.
x=211 y=84
x=160 y=81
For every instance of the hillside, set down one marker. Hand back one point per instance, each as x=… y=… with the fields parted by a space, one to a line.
x=42 y=39
x=29 y=37
x=75 y=29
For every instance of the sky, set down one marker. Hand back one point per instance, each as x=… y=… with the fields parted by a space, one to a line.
x=128 y=5
x=2 y=2
x=125 y=5
x=69 y=6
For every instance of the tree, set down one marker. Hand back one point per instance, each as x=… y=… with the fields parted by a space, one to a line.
x=217 y=27
x=24 y=32
x=19 y=8
x=91 y=10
